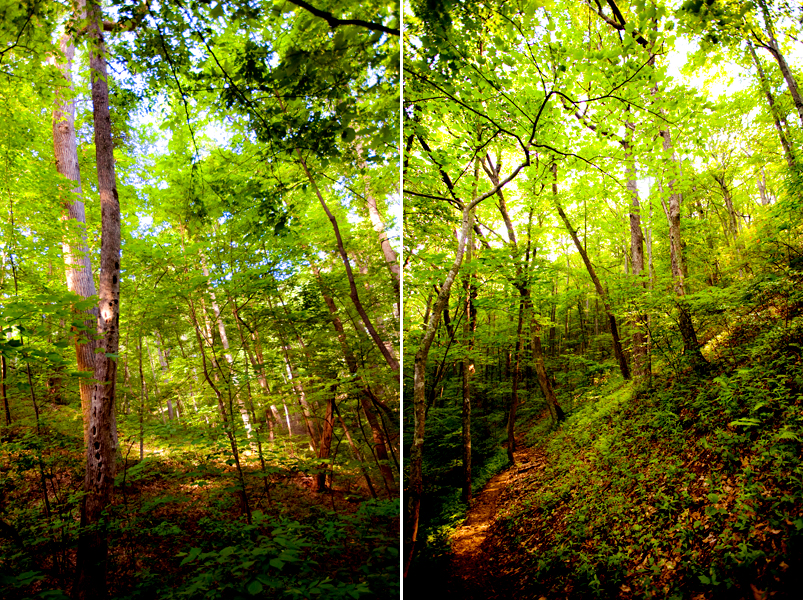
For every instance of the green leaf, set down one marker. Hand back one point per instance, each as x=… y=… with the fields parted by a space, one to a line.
x=254 y=588
x=194 y=553
x=348 y=135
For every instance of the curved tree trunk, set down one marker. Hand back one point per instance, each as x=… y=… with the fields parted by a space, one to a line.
x=780 y=121
x=617 y=344
x=391 y=258
x=774 y=49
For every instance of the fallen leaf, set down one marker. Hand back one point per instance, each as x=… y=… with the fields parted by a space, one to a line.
x=757 y=593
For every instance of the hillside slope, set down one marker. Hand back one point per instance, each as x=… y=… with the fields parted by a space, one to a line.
x=688 y=487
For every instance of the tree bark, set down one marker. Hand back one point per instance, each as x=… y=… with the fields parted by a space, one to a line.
x=690 y=344
x=99 y=482
x=774 y=49
x=380 y=444
x=780 y=121
x=3 y=376
x=78 y=265
x=640 y=356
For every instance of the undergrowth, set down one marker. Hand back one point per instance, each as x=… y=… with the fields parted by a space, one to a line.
x=176 y=528
x=689 y=488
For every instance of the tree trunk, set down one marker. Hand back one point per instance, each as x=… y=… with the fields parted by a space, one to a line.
x=780 y=121
x=157 y=394
x=3 y=376
x=514 y=392
x=416 y=484
x=543 y=380
x=227 y=427
x=143 y=399
x=774 y=49
x=325 y=445
x=686 y=326
x=391 y=258
x=224 y=340
x=617 y=344
x=640 y=357
x=385 y=348
x=380 y=444
x=357 y=455
x=469 y=328
x=76 y=253
x=161 y=354
x=99 y=482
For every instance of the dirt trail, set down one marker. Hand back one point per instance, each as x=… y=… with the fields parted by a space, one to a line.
x=470 y=565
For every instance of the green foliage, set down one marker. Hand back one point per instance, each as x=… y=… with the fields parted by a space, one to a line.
x=328 y=556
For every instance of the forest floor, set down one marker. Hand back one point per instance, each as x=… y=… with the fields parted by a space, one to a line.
x=178 y=527
x=470 y=563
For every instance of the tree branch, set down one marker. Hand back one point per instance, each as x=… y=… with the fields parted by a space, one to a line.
x=333 y=21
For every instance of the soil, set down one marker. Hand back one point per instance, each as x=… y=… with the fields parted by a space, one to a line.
x=473 y=560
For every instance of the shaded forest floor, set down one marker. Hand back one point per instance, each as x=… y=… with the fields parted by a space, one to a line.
x=178 y=527
x=686 y=487
x=471 y=565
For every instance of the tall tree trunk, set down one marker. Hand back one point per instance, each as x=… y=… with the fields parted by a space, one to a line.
x=325 y=445
x=774 y=49
x=514 y=392
x=780 y=121
x=468 y=371
x=76 y=253
x=227 y=426
x=391 y=258
x=617 y=344
x=357 y=455
x=224 y=340
x=640 y=356
x=385 y=348
x=367 y=396
x=686 y=326
x=143 y=400
x=99 y=482
x=543 y=380
x=301 y=396
x=733 y=225
x=157 y=394
x=161 y=354
x=3 y=377
x=416 y=483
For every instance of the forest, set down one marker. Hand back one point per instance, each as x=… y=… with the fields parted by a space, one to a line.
x=199 y=299
x=603 y=299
